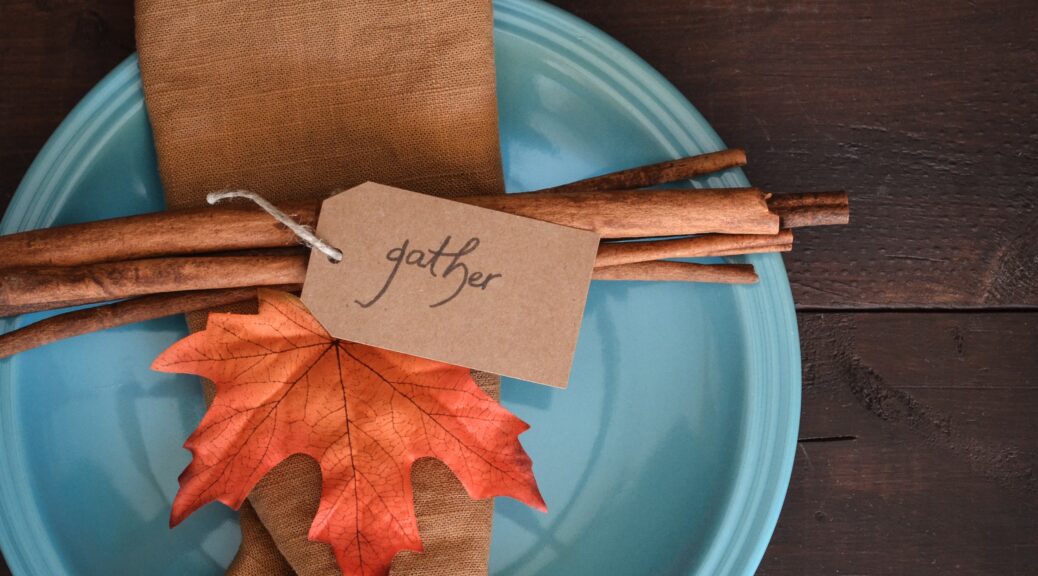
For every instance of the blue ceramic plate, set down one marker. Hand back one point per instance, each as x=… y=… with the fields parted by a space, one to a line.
x=669 y=453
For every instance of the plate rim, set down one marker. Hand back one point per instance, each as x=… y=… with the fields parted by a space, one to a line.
x=87 y=124
x=740 y=540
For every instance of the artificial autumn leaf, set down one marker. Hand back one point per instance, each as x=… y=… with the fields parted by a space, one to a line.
x=284 y=387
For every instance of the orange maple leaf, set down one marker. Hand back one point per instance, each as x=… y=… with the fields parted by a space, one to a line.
x=284 y=386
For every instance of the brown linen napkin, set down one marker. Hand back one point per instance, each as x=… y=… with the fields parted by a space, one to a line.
x=294 y=99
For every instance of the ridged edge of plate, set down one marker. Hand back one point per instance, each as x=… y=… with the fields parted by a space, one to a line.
x=774 y=411
x=41 y=192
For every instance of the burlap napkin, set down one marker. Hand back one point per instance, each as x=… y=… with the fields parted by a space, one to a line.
x=294 y=99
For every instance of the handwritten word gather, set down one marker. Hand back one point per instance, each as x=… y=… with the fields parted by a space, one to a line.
x=429 y=259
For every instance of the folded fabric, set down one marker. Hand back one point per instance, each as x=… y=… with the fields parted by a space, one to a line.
x=295 y=99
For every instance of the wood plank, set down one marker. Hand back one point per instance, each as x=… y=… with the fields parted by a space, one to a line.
x=925 y=114
x=918 y=447
x=922 y=114
x=51 y=54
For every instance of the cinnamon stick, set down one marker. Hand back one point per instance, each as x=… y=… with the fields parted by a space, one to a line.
x=140 y=309
x=236 y=226
x=641 y=213
x=660 y=173
x=47 y=288
x=614 y=253
x=240 y=226
x=153 y=306
x=36 y=289
x=679 y=272
x=30 y=307
x=616 y=214
x=811 y=209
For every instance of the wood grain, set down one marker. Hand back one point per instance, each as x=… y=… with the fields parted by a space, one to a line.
x=915 y=456
x=927 y=113
x=33 y=289
x=52 y=52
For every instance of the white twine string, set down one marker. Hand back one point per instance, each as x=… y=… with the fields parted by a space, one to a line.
x=304 y=233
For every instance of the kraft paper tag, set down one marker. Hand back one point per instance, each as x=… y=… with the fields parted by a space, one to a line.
x=451 y=282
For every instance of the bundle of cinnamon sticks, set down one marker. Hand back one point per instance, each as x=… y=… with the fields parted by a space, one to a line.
x=180 y=261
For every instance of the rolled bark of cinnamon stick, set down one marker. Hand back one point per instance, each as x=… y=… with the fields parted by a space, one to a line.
x=679 y=272
x=154 y=306
x=811 y=209
x=234 y=227
x=660 y=173
x=617 y=214
x=612 y=254
x=37 y=289
x=29 y=308
x=34 y=289
x=183 y=232
x=641 y=213
x=140 y=309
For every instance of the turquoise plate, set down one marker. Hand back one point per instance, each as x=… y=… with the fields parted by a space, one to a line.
x=669 y=453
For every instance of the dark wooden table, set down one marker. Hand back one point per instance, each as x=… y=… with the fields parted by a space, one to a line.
x=919 y=322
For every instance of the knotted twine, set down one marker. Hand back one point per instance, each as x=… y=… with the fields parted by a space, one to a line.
x=293 y=99
x=305 y=234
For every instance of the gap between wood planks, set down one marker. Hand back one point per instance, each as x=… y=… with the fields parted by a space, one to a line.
x=912 y=309
x=818 y=439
